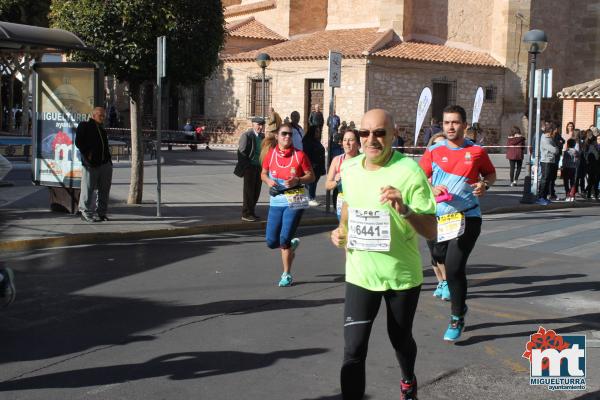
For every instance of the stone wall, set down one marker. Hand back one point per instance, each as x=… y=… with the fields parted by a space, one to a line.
x=395 y=85
x=352 y=14
x=227 y=92
x=573 y=39
x=307 y=16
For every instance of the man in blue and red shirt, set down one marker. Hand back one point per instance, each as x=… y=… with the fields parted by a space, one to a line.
x=462 y=170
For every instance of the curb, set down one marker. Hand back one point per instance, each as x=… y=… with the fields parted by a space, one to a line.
x=538 y=207
x=104 y=237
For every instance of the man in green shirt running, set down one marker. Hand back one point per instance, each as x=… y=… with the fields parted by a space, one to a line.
x=387 y=203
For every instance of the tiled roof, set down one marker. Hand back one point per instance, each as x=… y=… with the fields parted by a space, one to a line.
x=437 y=53
x=251 y=28
x=242 y=9
x=358 y=43
x=586 y=90
x=350 y=42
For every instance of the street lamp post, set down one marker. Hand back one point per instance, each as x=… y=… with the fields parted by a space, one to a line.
x=537 y=41
x=263 y=60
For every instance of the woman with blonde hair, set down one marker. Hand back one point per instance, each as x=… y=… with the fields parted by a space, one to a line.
x=351 y=144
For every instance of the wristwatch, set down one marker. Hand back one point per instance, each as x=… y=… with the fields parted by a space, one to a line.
x=407 y=213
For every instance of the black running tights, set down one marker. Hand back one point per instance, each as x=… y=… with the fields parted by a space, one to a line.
x=457 y=254
x=361 y=307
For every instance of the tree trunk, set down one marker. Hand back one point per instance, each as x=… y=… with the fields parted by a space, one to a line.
x=136 y=185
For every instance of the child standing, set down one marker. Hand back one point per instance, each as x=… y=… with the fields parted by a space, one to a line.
x=570 y=162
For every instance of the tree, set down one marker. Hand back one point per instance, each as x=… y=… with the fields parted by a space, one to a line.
x=124 y=33
x=28 y=12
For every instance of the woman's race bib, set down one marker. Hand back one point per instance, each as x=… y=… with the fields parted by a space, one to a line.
x=297 y=198
x=450 y=226
x=368 y=230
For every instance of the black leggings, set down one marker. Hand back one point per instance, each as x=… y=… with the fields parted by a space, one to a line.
x=361 y=307
x=515 y=164
x=454 y=254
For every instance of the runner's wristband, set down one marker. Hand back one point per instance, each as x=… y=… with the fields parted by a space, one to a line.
x=407 y=213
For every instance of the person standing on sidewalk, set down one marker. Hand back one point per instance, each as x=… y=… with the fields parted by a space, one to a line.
x=593 y=166
x=96 y=171
x=570 y=163
x=464 y=170
x=316 y=154
x=549 y=153
x=514 y=153
x=298 y=132
x=388 y=203
x=333 y=123
x=248 y=167
x=316 y=118
x=285 y=170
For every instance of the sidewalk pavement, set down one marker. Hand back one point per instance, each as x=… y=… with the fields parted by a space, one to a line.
x=200 y=194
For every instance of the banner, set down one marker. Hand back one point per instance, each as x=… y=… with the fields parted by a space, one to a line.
x=64 y=96
x=422 y=107
x=477 y=105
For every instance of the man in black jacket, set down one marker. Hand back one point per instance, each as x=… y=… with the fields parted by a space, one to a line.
x=249 y=167
x=96 y=173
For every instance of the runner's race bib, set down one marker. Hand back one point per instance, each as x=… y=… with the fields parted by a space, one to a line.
x=450 y=226
x=368 y=230
x=297 y=198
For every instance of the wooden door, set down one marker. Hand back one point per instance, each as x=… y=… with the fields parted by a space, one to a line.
x=315 y=93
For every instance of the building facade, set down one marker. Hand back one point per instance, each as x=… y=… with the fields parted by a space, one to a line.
x=394 y=48
x=391 y=50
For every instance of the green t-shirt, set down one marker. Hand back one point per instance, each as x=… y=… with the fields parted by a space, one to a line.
x=400 y=267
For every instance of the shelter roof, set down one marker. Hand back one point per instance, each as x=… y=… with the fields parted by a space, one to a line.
x=18 y=37
x=586 y=90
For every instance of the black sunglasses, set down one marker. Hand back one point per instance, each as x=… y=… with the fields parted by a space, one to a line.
x=285 y=133
x=363 y=133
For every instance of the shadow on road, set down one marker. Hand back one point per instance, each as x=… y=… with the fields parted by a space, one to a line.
x=535 y=291
x=51 y=319
x=176 y=366
x=579 y=323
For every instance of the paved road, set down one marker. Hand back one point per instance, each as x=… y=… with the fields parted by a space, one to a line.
x=200 y=317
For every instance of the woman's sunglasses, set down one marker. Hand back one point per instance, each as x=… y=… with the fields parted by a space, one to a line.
x=379 y=133
x=285 y=133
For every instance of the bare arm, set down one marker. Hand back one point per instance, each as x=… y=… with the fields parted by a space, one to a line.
x=264 y=176
x=479 y=187
x=339 y=235
x=308 y=177
x=332 y=175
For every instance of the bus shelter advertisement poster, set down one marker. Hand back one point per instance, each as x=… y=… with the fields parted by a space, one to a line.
x=65 y=97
